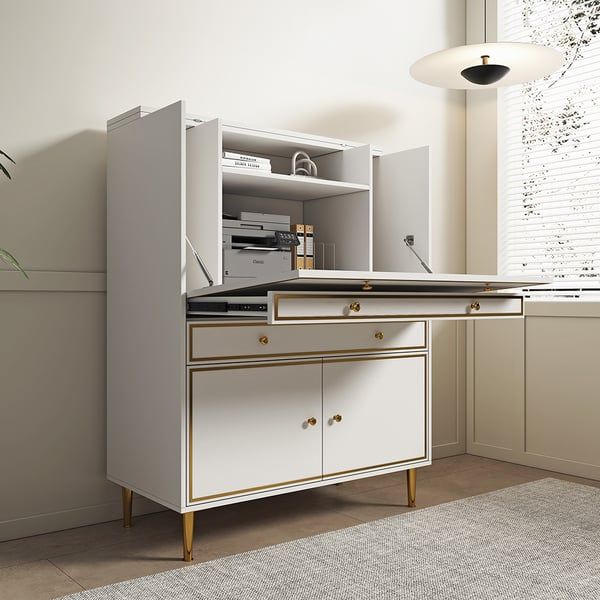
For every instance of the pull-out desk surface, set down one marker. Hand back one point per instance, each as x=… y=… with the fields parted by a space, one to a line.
x=344 y=296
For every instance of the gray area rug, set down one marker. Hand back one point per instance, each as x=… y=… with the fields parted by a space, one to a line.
x=539 y=540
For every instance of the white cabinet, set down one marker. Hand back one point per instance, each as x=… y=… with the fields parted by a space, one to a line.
x=253 y=426
x=233 y=423
x=374 y=412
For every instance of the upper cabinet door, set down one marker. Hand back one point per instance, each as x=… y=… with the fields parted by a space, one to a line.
x=374 y=412
x=401 y=208
x=204 y=201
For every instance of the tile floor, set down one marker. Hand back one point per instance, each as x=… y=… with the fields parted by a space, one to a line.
x=51 y=565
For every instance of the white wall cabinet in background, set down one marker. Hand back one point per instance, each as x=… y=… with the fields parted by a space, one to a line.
x=532 y=394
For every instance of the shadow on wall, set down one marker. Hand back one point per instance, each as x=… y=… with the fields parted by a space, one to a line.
x=56 y=205
x=356 y=120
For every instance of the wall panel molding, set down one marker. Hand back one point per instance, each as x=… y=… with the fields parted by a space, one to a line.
x=52 y=281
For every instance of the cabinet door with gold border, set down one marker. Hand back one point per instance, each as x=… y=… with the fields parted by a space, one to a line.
x=253 y=426
x=374 y=412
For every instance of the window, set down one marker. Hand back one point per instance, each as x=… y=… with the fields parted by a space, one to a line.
x=549 y=146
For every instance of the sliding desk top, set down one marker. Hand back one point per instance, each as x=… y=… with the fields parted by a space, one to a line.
x=378 y=281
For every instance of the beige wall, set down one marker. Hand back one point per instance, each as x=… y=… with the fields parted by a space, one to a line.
x=339 y=68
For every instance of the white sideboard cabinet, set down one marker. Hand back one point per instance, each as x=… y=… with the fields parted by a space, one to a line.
x=331 y=381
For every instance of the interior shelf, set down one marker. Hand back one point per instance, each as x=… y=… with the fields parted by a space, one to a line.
x=289 y=187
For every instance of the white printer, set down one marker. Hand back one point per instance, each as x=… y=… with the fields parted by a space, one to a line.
x=256 y=245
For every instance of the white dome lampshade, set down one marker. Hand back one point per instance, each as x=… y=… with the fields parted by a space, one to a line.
x=489 y=65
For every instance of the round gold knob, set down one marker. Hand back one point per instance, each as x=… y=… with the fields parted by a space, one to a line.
x=475 y=305
x=337 y=418
x=355 y=307
x=263 y=339
x=379 y=335
x=311 y=421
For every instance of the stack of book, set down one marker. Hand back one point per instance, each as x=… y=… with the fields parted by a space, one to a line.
x=246 y=161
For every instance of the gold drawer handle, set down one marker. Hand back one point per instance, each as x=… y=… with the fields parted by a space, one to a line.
x=475 y=305
x=337 y=418
x=355 y=307
x=311 y=421
x=379 y=335
x=263 y=339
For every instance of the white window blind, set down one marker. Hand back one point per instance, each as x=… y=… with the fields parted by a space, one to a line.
x=549 y=146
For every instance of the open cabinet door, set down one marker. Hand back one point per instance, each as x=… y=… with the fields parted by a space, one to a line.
x=401 y=208
x=204 y=200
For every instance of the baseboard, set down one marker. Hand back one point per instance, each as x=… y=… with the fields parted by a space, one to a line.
x=538 y=461
x=445 y=450
x=111 y=511
x=68 y=519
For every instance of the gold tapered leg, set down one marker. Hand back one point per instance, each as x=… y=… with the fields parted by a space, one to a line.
x=411 y=486
x=127 y=495
x=188 y=535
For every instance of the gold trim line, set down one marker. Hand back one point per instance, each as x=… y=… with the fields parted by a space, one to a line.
x=258 y=488
x=382 y=466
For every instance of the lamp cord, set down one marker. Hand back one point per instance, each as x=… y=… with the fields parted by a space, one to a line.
x=485 y=21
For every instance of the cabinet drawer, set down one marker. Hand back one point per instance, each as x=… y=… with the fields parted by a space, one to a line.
x=313 y=307
x=221 y=341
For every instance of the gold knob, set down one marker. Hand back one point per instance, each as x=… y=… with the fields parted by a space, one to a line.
x=475 y=305
x=355 y=307
x=379 y=335
x=311 y=421
x=337 y=418
x=263 y=339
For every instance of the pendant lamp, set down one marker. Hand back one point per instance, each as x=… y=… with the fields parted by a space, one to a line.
x=487 y=65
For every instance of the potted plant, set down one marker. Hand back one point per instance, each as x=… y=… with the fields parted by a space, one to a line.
x=5 y=255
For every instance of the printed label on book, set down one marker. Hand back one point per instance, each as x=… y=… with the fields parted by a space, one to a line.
x=246 y=157
x=242 y=164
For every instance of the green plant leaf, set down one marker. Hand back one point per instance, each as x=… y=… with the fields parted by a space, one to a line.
x=3 y=169
x=7 y=156
x=11 y=261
